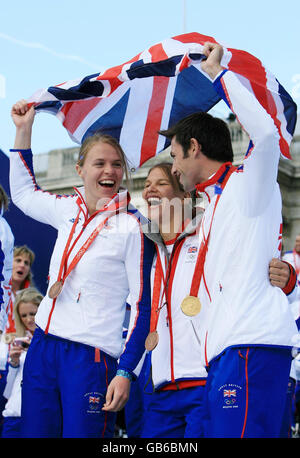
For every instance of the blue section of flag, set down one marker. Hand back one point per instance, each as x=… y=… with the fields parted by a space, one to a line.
x=289 y=109
x=166 y=67
x=82 y=90
x=111 y=122
x=194 y=92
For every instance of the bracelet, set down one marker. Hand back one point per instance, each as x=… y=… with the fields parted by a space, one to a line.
x=125 y=374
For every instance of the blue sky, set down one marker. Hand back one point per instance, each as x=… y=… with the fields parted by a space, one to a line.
x=46 y=43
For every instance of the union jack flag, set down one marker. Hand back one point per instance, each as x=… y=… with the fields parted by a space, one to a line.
x=229 y=393
x=94 y=399
x=155 y=89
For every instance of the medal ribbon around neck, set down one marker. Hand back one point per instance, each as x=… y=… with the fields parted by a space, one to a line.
x=152 y=338
x=191 y=305
x=157 y=298
x=64 y=271
x=158 y=279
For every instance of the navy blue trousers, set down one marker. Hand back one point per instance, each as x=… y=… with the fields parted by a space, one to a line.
x=11 y=428
x=174 y=414
x=246 y=392
x=64 y=389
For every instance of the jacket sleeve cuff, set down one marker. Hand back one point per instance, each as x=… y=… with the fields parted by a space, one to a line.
x=292 y=280
x=26 y=150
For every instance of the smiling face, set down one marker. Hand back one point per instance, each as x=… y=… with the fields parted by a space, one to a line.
x=27 y=312
x=21 y=268
x=159 y=190
x=184 y=166
x=101 y=172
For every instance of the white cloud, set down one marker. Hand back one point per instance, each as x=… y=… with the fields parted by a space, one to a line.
x=34 y=45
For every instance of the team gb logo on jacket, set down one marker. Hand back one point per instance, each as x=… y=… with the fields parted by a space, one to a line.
x=230 y=395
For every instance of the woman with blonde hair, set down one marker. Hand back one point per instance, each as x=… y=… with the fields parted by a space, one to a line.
x=25 y=309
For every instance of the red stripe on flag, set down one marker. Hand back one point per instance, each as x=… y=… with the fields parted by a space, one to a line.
x=155 y=112
x=75 y=115
x=158 y=53
x=242 y=60
x=184 y=63
x=194 y=37
x=114 y=72
x=256 y=74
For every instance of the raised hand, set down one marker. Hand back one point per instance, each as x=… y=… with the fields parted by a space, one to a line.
x=23 y=117
x=212 y=65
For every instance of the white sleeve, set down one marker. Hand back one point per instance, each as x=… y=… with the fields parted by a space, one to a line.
x=10 y=380
x=256 y=184
x=26 y=194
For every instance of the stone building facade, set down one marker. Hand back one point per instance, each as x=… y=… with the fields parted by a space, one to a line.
x=55 y=172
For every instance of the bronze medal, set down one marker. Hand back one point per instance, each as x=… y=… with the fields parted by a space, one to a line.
x=151 y=341
x=55 y=289
x=191 y=305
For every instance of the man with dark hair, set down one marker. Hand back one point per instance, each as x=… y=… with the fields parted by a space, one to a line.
x=211 y=133
x=249 y=326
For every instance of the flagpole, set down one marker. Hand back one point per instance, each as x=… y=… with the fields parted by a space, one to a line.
x=184 y=16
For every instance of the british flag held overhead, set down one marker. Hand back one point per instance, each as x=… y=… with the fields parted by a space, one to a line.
x=155 y=89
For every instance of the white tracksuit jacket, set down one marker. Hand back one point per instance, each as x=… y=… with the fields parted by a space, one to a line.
x=243 y=307
x=178 y=356
x=6 y=262
x=92 y=304
x=239 y=304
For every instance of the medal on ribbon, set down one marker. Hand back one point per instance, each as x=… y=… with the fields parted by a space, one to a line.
x=151 y=341
x=153 y=338
x=55 y=289
x=190 y=305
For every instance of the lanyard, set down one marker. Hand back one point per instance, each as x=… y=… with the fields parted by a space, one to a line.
x=63 y=270
x=156 y=301
x=199 y=267
x=159 y=278
x=114 y=207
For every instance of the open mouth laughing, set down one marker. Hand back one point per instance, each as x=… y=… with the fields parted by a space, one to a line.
x=154 y=201
x=107 y=183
